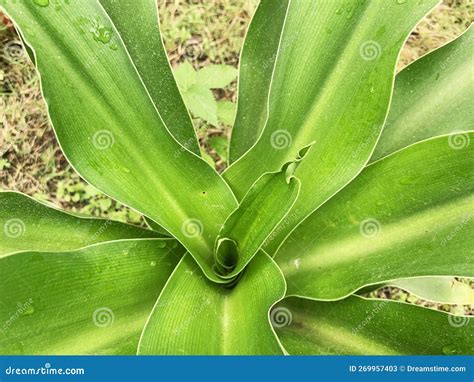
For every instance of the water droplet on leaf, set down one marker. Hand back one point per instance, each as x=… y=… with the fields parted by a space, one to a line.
x=41 y=3
x=448 y=349
x=100 y=32
x=406 y=181
x=27 y=310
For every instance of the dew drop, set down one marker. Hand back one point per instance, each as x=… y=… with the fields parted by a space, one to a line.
x=103 y=35
x=41 y=3
x=153 y=263
x=100 y=32
x=406 y=181
x=448 y=349
x=27 y=311
x=81 y=24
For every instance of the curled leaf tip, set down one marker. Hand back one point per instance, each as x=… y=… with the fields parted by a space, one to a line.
x=290 y=167
x=226 y=256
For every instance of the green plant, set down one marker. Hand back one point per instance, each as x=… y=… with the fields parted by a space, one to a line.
x=196 y=89
x=318 y=205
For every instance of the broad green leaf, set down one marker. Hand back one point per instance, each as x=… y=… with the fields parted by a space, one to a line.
x=331 y=84
x=441 y=289
x=196 y=89
x=255 y=72
x=185 y=75
x=358 y=326
x=226 y=112
x=202 y=103
x=432 y=96
x=110 y=130
x=266 y=204
x=138 y=25
x=216 y=76
x=195 y=316
x=409 y=214
x=28 y=225
x=90 y=301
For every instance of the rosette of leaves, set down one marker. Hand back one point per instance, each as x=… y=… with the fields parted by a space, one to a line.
x=329 y=192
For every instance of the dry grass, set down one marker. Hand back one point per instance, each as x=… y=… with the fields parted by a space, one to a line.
x=447 y=21
x=202 y=32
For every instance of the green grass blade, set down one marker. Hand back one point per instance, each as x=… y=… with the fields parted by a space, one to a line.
x=409 y=214
x=432 y=96
x=28 y=225
x=358 y=326
x=195 y=316
x=110 y=130
x=91 y=301
x=138 y=24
